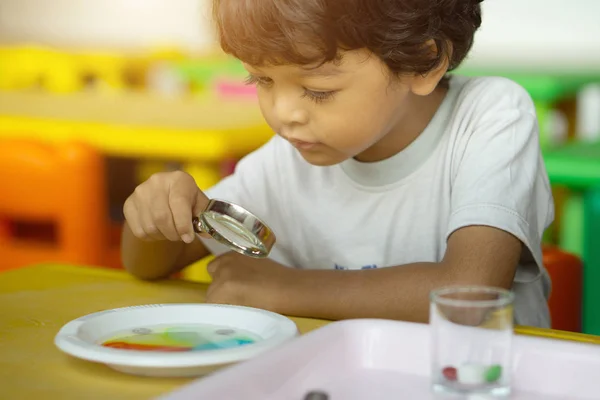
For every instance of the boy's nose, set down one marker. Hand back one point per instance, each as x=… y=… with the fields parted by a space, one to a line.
x=288 y=113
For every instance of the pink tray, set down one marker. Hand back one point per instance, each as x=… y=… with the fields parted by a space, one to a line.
x=379 y=359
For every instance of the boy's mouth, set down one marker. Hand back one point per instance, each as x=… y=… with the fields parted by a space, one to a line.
x=301 y=145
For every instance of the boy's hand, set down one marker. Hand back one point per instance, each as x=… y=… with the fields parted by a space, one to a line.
x=162 y=207
x=245 y=281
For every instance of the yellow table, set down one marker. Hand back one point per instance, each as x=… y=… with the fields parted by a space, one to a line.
x=36 y=302
x=197 y=129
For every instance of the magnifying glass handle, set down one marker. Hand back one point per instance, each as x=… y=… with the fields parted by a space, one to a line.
x=199 y=226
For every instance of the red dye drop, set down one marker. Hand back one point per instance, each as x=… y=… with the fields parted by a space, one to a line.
x=450 y=373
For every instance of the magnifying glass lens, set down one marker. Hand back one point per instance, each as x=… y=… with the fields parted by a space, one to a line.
x=234 y=232
x=236 y=228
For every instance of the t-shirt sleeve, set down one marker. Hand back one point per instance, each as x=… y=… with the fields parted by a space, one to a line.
x=250 y=186
x=499 y=178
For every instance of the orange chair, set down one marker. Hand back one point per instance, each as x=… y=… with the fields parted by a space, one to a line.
x=54 y=197
x=566 y=272
x=5 y=228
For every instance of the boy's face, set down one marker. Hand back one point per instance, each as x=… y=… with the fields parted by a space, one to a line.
x=335 y=112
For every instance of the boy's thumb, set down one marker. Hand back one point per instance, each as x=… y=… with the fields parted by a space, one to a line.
x=200 y=204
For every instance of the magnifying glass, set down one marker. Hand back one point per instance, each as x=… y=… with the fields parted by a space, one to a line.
x=236 y=228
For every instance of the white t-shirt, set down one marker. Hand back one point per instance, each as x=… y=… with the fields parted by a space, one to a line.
x=478 y=162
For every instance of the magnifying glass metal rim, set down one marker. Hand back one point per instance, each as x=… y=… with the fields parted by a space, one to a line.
x=254 y=225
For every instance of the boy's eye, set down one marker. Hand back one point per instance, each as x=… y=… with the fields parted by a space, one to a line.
x=313 y=95
x=318 y=97
x=258 y=80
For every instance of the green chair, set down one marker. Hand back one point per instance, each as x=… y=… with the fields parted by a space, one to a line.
x=577 y=166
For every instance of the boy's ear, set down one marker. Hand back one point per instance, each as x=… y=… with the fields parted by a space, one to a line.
x=423 y=85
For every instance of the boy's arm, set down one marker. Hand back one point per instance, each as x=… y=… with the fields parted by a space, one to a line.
x=158 y=259
x=476 y=255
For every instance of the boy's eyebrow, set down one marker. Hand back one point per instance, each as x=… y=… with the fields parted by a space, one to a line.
x=323 y=70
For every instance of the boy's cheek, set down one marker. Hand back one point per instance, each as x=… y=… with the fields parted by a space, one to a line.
x=265 y=106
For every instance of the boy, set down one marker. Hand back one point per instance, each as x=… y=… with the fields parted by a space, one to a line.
x=386 y=179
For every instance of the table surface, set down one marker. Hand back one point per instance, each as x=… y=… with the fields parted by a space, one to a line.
x=133 y=124
x=36 y=302
x=201 y=112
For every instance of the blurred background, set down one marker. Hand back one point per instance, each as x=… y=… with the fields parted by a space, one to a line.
x=96 y=96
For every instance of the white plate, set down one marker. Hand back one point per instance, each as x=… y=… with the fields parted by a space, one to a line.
x=83 y=337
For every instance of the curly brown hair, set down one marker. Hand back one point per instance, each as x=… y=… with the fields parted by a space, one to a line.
x=304 y=32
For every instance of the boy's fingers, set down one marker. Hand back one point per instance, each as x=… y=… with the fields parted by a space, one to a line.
x=148 y=224
x=140 y=221
x=133 y=220
x=163 y=219
x=212 y=266
x=200 y=203
x=181 y=208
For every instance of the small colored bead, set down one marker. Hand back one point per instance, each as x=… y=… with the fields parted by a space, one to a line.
x=449 y=373
x=471 y=374
x=316 y=395
x=493 y=373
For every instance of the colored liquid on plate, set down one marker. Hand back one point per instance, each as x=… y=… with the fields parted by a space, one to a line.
x=196 y=337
